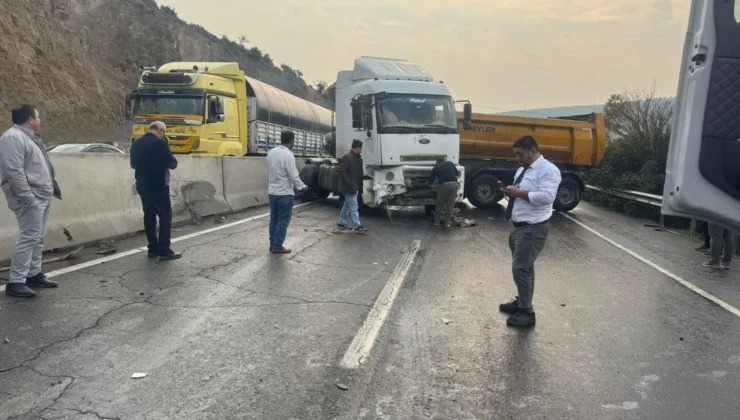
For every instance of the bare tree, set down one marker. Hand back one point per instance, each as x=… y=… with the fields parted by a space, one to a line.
x=642 y=122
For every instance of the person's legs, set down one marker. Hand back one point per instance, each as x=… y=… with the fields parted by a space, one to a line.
x=163 y=207
x=274 y=212
x=285 y=212
x=150 y=220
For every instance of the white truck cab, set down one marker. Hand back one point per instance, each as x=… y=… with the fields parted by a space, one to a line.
x=406 y=122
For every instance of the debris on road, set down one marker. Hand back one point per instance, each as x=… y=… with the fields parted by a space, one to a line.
x=218 y=220
x=445 y=321
x=343 y=387
x=54 y=259
x=106 y=248
x=462 y=222
x=138 y=375
x=6 y=340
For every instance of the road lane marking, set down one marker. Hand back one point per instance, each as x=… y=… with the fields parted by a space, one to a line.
x=364 y=340
x=699 y=291
x=124 y=254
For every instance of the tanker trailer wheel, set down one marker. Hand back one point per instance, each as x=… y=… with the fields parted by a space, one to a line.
x=484 y=192
x=568 y=196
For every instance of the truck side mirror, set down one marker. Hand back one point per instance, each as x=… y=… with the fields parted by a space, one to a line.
x=130 y=103
x=356 y=114
x=215 y=110
x=467 y=116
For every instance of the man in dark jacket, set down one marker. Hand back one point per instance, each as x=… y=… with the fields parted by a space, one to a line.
x=350 y=182
x=446 y=173
x=152 y=160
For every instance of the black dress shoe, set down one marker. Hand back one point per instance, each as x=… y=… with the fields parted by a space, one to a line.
x=151 y=254
x=40 y=281
x=522 y=319
x=171 y=255
x=19 y=290
x=511 y=307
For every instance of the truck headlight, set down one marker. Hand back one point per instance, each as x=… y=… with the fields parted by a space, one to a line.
x=390 y=189
x=389 y=176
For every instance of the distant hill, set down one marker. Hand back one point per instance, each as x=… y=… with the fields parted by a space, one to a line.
x=555 y=112
x=77 y=59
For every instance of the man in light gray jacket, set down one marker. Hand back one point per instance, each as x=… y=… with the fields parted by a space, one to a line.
x=27 y=179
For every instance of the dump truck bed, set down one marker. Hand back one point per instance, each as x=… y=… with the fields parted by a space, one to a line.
x=575 y=141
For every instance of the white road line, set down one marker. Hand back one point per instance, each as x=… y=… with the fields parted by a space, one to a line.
x=680 y=280
x=124 y=254
x=364 y=340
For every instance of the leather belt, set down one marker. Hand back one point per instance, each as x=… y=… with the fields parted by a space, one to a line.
x=522 y=224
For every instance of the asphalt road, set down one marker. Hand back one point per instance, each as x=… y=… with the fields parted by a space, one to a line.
x=231 y=331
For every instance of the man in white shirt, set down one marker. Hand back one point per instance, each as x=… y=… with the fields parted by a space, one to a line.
x=530 y=208
x=283 y=179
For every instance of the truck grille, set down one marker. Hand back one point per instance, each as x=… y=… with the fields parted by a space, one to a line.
x=422 y=158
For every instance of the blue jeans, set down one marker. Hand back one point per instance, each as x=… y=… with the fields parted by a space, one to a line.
x=281 y=210
x=350 y=208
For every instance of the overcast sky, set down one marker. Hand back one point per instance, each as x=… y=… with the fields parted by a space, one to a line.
x=505 y=54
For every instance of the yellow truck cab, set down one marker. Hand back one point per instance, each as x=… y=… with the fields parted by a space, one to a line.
x=215 y=109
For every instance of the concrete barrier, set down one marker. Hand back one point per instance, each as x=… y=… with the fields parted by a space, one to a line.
x=245 y=181
x=100 y=199
x=197 y=188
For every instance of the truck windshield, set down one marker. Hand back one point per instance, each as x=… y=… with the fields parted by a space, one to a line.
x=404 y=113
x=179 y=105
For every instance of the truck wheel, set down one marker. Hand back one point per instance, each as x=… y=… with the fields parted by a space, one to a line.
x=310 y=176
x=568 y=196
x=484 y=192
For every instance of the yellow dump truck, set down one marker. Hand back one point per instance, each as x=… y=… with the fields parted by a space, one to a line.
x=572 y=143
x=215 y=109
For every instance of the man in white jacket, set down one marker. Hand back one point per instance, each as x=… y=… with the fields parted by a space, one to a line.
x=282 y=181
x=27 y=179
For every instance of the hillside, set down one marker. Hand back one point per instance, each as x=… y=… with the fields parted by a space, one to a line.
x=77 y=59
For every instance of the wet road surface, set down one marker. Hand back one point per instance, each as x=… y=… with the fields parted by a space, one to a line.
x=231 y=331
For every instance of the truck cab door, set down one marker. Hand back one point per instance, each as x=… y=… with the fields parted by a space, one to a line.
x=703 y=167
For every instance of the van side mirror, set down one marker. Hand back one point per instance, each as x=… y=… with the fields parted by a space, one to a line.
x=467 y=116
x=356 y=114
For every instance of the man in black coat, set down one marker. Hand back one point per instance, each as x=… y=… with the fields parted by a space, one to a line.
x=152 y=160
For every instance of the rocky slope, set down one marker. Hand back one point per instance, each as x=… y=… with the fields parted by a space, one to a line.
x=76 y=60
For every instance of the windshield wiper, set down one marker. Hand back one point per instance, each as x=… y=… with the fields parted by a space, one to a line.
x=446 y=127
x=400 y=127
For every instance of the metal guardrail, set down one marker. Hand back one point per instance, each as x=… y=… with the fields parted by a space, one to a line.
x=651 y=199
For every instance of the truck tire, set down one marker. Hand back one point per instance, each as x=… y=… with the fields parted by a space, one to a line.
x=429 y=209
x=310 y=176
x=568 y=196
x=484 y=192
